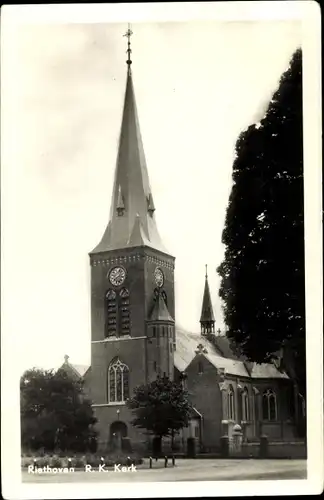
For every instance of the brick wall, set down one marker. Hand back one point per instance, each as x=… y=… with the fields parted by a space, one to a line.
x=107 y=415
x=135 y=351
x=276 y=450
x=206 y=398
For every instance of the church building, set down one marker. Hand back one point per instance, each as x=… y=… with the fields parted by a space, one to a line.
x=135 y=337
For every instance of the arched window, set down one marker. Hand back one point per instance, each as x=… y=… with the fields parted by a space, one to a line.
x=256 y=411
x=118 y=382
x=117 y=314
x=111 y=313
x=230 y=403
x=245 y=405
x=123 y=312
x=269 y=405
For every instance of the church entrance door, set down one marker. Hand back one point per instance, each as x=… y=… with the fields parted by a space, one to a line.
x=118 y=430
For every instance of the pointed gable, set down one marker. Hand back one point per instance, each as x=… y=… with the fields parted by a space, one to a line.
x=160 y=311
x=73 y=370
x=137 y=237
x=132 y=194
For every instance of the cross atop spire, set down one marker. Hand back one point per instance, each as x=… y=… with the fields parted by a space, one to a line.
x=132 y=215
x=128 y=34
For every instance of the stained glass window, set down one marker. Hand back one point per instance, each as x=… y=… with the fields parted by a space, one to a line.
x=230 y=401
x=269 y=405
x=245 y=405
x=112 y=386
x=118 y=381
x=126 y=383
x=272 y=407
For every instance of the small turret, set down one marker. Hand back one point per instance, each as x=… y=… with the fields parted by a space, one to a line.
x=207 y=319
x=161 y=339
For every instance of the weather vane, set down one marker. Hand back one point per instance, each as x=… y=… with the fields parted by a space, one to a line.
x=129 y=50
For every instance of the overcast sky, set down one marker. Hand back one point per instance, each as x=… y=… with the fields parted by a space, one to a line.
x=197 y=85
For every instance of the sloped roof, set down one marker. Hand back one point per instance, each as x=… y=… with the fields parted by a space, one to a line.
x=224 y=347
x=219 y=355
x=160 y=311
x=81 y=369
x=186 y=344
x=267 y=370
x=78 y=370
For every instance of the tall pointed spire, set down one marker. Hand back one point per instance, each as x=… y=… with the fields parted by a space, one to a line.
x=132 y=221
x=207 y=319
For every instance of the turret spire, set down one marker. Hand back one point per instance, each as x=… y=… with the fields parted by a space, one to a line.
x=132 y=214
x=207 y=319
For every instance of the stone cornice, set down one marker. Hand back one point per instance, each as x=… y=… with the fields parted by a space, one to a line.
x=117 y=339
x=124 y=259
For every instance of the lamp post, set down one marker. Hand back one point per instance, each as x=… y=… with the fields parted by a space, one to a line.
x=118 y=434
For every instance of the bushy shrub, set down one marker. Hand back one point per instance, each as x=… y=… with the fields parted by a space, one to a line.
x=79 y=461
x=64 y=462
x=40 y=461
x=55 y=461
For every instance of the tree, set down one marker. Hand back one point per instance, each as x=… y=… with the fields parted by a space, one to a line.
x=54 y=412
x=161 y=407
x=262 y=274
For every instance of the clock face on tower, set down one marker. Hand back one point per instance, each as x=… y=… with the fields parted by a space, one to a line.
x=117 y=276
x=158 y=277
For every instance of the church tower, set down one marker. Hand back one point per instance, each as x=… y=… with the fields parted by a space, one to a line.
x=207 y=319
x=132 y=286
